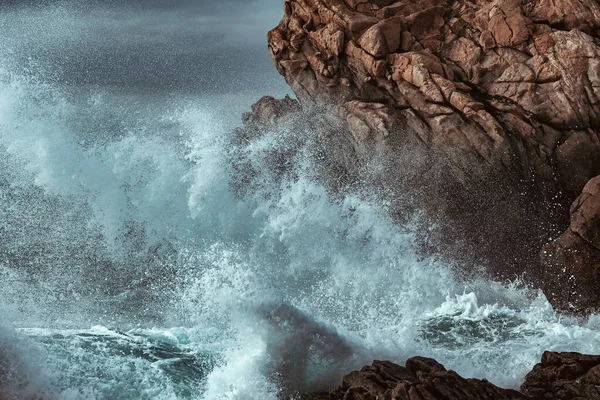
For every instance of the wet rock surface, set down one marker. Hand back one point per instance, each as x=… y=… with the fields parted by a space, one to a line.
x=577 y=255
x=487 y=112
x=422 y=378
x=559 y=376
x=562 y=376
x=508 y=83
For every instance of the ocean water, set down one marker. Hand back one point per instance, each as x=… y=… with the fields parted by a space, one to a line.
x=131 y=269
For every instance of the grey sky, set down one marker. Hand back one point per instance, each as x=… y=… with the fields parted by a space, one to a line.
x=194 y=45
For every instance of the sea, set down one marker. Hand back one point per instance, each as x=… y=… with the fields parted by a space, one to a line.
x=131 y=266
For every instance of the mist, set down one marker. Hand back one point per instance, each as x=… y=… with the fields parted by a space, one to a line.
x=198 y=47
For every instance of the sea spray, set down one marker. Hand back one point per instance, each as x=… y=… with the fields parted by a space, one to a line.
x=135 y=269
x=20 y=375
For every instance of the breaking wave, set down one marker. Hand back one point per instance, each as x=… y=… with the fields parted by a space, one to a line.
x=129 y=267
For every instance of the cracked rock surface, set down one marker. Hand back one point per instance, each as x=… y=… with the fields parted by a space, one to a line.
x=559 y=376
x=422 y=378
x=564 y=376
x=497 y=103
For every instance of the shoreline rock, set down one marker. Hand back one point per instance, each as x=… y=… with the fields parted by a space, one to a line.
x=559 y=376
x=577 y=254
x=488 y=114
x=490 y=110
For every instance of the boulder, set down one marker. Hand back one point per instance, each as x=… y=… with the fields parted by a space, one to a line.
x=269 y=111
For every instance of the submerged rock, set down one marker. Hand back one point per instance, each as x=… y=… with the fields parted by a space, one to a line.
x=560 y=376
x=486 y=112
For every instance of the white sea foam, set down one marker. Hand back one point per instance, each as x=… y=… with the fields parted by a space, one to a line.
x=193 y=292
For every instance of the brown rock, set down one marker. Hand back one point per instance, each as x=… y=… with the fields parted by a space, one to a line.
x=585 y=214
x=330 y=39
x=373 y=42
x=494 y=106
x=406 y=41
x=268 y=111
x=559 y=376
x=564 y=376
x=391 y=29
x=421 y=379
x=572 y=262
x=379 y=68
x=487 y=41
x=427 y=22
x=568 y=15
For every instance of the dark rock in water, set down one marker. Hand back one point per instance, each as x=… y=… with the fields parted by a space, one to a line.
x=560 y=376
x=421 y=379
x=485 y=112
x=576 y=254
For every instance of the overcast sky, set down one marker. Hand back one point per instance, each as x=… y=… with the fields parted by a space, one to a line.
x=195 y=45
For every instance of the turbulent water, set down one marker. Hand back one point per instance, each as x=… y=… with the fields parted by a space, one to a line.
x=130 y=269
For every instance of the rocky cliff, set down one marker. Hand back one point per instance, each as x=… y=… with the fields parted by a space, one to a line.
x=559 y=376
x=487 y=112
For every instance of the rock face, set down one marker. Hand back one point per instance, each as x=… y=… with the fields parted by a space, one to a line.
x=268 y=112
x=510 y=83
x=487 y=110
x=577 y=254
x=422 y=378
x=560 y=376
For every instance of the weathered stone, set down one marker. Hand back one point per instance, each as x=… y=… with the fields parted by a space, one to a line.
x=268 y=111
x=487 y=41
x=559 y=376
x=500 y=97
x=564 y=376
x=572 y=262
x=373 y=42
x=329 y=39
x=422 y=378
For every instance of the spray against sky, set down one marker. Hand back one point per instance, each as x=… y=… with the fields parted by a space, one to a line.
x=182 y=45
